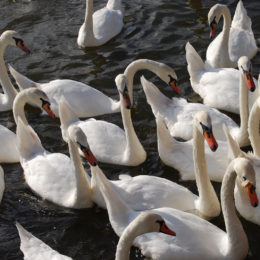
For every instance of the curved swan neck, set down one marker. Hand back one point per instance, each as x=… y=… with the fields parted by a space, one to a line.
x=88 y=23
x=83 y=190
x=18 y=106
x=253 y=128
x=207 y=195
x=134 y=66
x=4 y=79
x=226 y=24
x=237 y=239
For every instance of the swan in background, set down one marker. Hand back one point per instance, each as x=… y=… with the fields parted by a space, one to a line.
x=34 y=249
x=55 y=176
x=195 y=237
x=99 y=27
x=235 y=40
x=190 y=155
x=219 y=87
x=9 y=148
x=8 y=38
x=241 y=198
x=2 y=183
x=107 y=141
x=178 y=114
x=84 y=99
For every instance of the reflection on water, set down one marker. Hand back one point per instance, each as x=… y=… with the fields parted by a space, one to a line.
x=156 y=30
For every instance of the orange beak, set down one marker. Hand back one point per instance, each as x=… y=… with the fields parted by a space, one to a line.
x=249 y=81
x=252 y=194
x=23 y=47
x=211 y=140
x=173 y=83
x=89 y=156
x=164 y=229
x=213 y=28
x=47 y=108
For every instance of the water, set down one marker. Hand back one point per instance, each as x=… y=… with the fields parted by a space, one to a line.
x=155 y=30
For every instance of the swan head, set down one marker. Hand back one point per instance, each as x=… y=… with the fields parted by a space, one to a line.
x=168 y=75
x=122 y=86
x=77 y=136
x=202 y=121
x=12 y=38
x=151 y=222
x=246 y=178
x=214 y=15
x=40 y=99
x=245 y=67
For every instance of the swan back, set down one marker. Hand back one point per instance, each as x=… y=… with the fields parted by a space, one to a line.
x=29 y=143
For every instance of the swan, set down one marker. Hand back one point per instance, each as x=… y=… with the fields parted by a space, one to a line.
x=189 y=155
x=178 y=114
x=219 y=87
x=99 y=27
x=9 y=150
x=2 y=183
x=109 y=143
x=235 y=40
x=84 y=99
x=33 y=248
x=8 y=38
x=55 y=176
x=195 y=237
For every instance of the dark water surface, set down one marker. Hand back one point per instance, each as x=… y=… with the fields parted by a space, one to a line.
x=156 y=30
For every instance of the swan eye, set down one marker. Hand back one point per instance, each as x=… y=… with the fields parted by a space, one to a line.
x=244 y=178
x=44 y=102
x=18 y=41
x=213 y=22
x=206 y=128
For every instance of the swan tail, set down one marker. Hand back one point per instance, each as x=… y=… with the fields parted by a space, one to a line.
x=22 y=81
x=154 y=97
x=240 y=18
x=29 y=143
x=233 y=147
x=195 y=63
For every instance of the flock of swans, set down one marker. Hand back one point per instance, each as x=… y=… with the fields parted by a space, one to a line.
x=139 y=207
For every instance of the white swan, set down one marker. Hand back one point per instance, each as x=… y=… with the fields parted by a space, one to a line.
x=219 y=87
x=2 y=183
x=195 y=237
x=109 y=143
x=9 y=150
x=235 y=40
x=178 y=114
x=101 y=26
x=34 y=249
x=55 y=176
x=6 y=99
x=181 y=156
x=87 y=101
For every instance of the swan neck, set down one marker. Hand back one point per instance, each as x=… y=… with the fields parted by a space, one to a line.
x=207 y=195
x=7 y=86
x=237 y=239
x=83 y=190
x=137 y=65
x=88 y=23
x=226 y=24
x=18 y=107
x=253 y=129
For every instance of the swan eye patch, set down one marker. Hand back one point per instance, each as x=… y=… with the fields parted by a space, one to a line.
x=213 y=23
x=44 y=102
x=206 y=128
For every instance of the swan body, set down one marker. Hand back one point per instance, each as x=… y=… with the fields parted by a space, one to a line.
x=99 y=27
x=9 y=152
x=55 y=176
x=217 y=87
x=2 y=183
x=35 y=249
x=6 y=99
x=195 y=237
x=85 y=100
x=109 y=143
x=180 y=155
x=235 y=40
x=178 y=115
